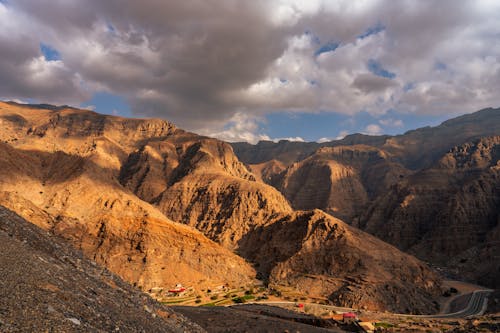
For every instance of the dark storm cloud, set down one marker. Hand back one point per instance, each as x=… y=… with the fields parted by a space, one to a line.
x=25 y=73
x=369 y=83
x=172 y=59
x=207 y=63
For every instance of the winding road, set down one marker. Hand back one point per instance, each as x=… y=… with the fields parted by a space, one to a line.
x=476 y=306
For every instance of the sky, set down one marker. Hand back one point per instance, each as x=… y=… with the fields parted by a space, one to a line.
x=238 y=70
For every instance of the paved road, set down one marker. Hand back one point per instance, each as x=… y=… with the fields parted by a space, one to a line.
x=476 y=306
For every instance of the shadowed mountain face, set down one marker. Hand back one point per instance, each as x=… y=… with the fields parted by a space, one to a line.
x=315 y=252
x=433 y=191
x=113 y=186
x=200 y=182
x=340 y=180
x=449 y=213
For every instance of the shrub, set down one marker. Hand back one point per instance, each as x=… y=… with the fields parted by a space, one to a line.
x=238 y=300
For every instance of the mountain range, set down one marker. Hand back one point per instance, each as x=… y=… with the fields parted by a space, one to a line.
x=433 y=192
x=354 y=222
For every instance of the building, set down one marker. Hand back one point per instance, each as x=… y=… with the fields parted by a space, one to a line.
x=349 y=317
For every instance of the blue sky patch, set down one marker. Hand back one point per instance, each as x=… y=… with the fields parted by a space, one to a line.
x=110 y=27
x=440 y=66
x=379 y=27
x=328 y=47
x=376 y=68
x=315 y=39
x=106 y=103
x=409 y=86
x=314 y=126
x=50 y=53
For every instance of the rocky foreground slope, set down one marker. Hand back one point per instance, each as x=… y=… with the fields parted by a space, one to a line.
x=48 y=286
x=112 y=187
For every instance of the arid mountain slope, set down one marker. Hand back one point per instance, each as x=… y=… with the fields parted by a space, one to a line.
x=75 y=193
x=47 y=286
x=107 y=183
x=339 y=180
x=414 y=191
x=200 y=182
x=315 y=253
x=448 y=213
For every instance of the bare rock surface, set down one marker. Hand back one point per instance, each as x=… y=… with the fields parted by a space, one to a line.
x=322 y=256
x=433 y=191
x=339 y=180
x=449 y=213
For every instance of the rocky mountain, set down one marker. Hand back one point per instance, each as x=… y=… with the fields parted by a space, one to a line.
x=405 y=149
x=112 y=187
x=339 y=180
x=449 y=213
x=200 y=182
x=47 y=286
x=60 y=170
x=312 y=252
x=432 y=191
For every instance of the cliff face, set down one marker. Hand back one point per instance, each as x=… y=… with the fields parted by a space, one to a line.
x=112 y=187
x=448 y=213
x=314 y=252
x=339 y=180
x=199 y=182
x=431 y=191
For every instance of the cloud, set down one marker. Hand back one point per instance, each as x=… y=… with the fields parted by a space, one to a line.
x=292 y=139
x=240 y=128
x=206 y=65
x=369 y=83
x=322 y=140
x=342 y=135
x=373 y=129
x=391 y=122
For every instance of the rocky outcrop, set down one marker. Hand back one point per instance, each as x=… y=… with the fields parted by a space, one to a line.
x=321 y=256
x=199 y=182
x=449 y=213
x=339 y=180
x=76 y=193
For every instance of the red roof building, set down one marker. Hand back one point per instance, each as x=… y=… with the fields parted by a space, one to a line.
x=349 y=317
